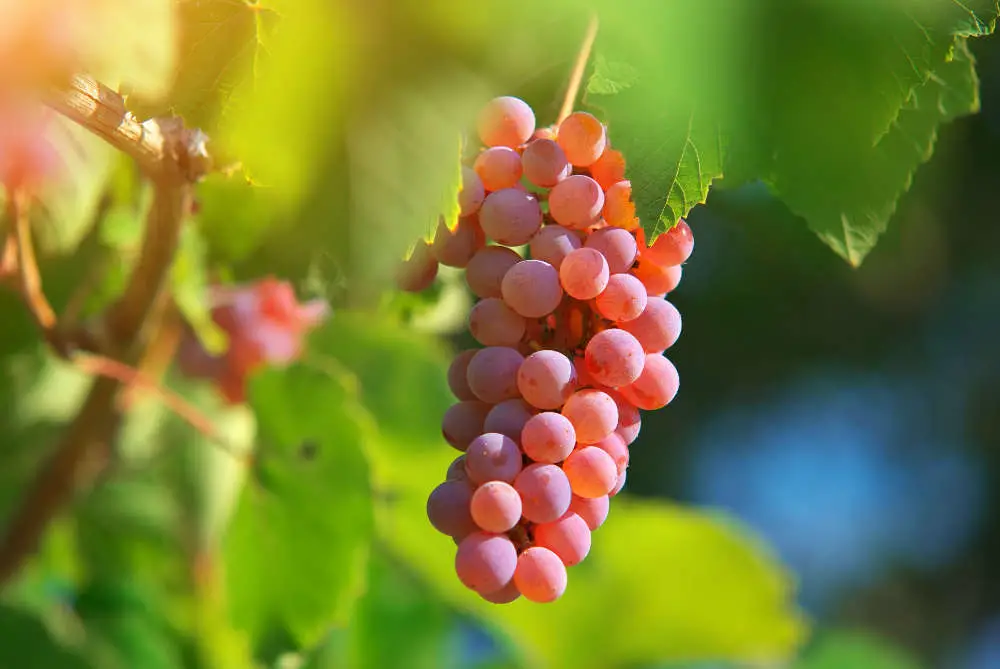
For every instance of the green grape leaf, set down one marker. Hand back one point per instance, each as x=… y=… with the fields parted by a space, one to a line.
x=842 y=649
x=233 y=215
x=189 y=282
x=297 y=546
x=28 y=644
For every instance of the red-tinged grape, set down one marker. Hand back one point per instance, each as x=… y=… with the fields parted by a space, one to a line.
x=656 y=387
x=504 y=595
x=531 y=288
x=629 y=420
x=619 y=210
x=619 y=484
x=614 y=357
x=591 y=472
x=615 y=446
x=609 y=168
x=672 y=247
x=582 y=137
x=463 y=422
x=506 y=121
x=492 y=374
x=594 y=510
x=498 y=168
x=417 y=272
x=493 y=323
x=548 y=132
x=548 y=437
x=485 y=562
x=546 y=379
x=657 y=328
x=584 y=274
x=471 y=197
x=493 y=457
x=495 y=506
x=510 y=216
x=568 y=537
x=509 y=418
x=455 y=248
x=593 y=413
x=486 y=269
x=457 y=380
x=545 y=492
x=584 y=379
x=448 y=509
x=553 y=243
x=545 y=163
x=623 y=299
x=540 y=575
x=657 y=279
x=576 y=202
x=616 y=245
x=456 y=470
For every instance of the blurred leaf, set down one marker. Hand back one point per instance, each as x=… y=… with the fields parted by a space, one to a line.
x=234 y=215
x=855 y=650
x=28 y=645
x=189 y=281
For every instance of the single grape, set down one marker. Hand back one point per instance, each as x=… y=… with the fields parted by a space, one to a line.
x=672 y=247
x=498 y=167
x=493 y=457
x=619 y=210
x=471 y=197
x=594 y=510
x=485 y=562
x=510 y=216
x=493 y=323
x=463 y=422
x=614 y=357
x=656 y=387
x=609 y=168
x=456 y=470
x=576 y=202
x=548 y=132
x=657 y=328
x=540 y=575
x=504 y=595
x=553 y=243
x=615 y=446
x=548 y=437
x=448 y=509
x=492 y=374
x=582 y=137
x=657 y=279
x=546 y=379
x=623 y=299
x=486 y=269
x=531 y=288
x=509 y=418
x=584 y=274
x=593 y=413
x=495 y=506
x=545 y=163
x=568 y=537
x=455 y=248
x=591 y=472
x=629 y=420
x=417 y=272
x=619 y=484
x=506 y=121
x=545 y=492
x=457 y=375
x=616 y=245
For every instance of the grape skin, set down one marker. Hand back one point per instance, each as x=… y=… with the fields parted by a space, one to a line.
x=593 y=510
x=582 y=137
x=576 y=202
x=656 y=387
x=617 y=246
x=544 y=163
x=509 y=418
x=463 y=422
x=619 y=210
x=657 y=328
x=456 y=375
x=568 y=537
x=510 y=216
x=485 y=562
x=546 y=379
x=623 y=299
x=492 y=374
x=545 y=492
x=456 y=470
x=504 y=595
x=540 y=575
x=609 y=168
x=448 y=509
x=593 y=413
x=672 y=247
x=548 y=437
x=584 y=274
x=614 y=358
x=486 y=270
x=417 y=272
x=493 y=323
x=498 y=167
x=615 y=446
x=493 y=457
x=629 y=420
x=553 y=243
x=506 y=121
x=531 y=288
x=471 y=197
x=591 y=472
x=495 y=506
x=658 y=280
x=455 y=248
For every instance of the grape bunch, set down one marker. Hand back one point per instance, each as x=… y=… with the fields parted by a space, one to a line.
x=573 y=321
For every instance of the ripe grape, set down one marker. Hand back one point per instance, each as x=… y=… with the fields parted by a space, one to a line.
x=591 y=472
x=457 y=375
x=593 y=510
x=657 y=328
x=540 y=575
x=593 y=413
x=418 y=271
x=672 y=247
x=498 y=167
x=471 y=197
x=509 y=418
x=582 y=137
x=486 y=269
x=615 y=446
x=492 y=374
x=545 y=492
x=455 y=248
x=584 y=274
x=546 y=379
x=545 y=163
x=576 y=202
x=609 y=168
x=629 y=420
x=510 y=216
x=463 y=422
x=657 y=279
x=493 y=323
x=656 y=386
x=456 y=470
x=623 y=299
x=495 y=506
x=619 y=484
x=493 y=457
x=553 y=243
x=504 y=595
x=548 y=437
x=506 y=121
x=485 y=562
x=617 y=246
x=619 y=210
x=568 y=537
x=448 y=509
x=531 y=288
x=614 y=358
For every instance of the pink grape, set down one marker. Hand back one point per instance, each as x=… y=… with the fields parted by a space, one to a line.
x=548 y=437
x=540 y=575
x=658 y=280
x=618 y=247
x=506 y=121
x=455 y=248
x=448 y=509
x=485 y=562
x=576 y=202
x=583 y=138
x=546 y=379
x=593 y=510
x=623 y=299
x=471 y=197
x=495 y=506
x=568 y=537
x=531 y=288
x=509 y=418
x=498 y=168
x=615 y=446
x=510 y=216
x=457 y=372
x=463 y=422
x=629 y=420
x=417 y=273
x=657 y=328
x=584 y=274
x=486 y=270
x=493 y=323
x=593 y=413
x=656 y=387
x=614 y=357
x=504 y=595
x=492 y=374
x=591 y=472
x=619 y=484
x=456 y=470
x=553 y=243
x=672 y=247
x=545 y=492
x=493 y=457
x=545 y=163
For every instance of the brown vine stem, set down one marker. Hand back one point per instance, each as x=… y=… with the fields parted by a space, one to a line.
x=29 y=278
x=579 y=68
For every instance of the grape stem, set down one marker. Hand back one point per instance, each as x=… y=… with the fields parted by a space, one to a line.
x=579 y=67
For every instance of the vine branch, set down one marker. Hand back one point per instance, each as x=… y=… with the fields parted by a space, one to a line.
x=579 y=68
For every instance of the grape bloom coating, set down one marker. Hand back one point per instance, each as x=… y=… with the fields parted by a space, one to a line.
x=573 y=336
